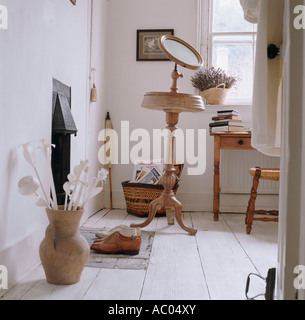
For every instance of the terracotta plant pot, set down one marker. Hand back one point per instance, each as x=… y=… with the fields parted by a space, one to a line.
x=64 y=251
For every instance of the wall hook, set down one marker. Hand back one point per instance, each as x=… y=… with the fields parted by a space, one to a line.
x=273 y=51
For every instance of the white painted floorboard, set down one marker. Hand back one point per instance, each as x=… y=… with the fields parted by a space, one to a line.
x=212 y=265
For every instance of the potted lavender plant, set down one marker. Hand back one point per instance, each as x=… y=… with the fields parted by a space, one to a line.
x=213 y=84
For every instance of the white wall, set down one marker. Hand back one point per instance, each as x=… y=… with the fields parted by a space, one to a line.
x=128 y=80
x=45 y=39
x=97 y=110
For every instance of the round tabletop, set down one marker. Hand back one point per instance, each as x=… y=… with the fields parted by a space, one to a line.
x=173 y=102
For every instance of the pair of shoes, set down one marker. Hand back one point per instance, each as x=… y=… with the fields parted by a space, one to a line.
x=117 y=243
x=124 y=230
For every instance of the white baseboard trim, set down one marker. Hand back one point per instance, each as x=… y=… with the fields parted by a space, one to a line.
x=22 y=257
x=204 y=202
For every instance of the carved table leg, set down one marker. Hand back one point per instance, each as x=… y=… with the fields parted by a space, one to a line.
x=251 y=203
x=167 y=199
x=216 y=199
x=178 y=215
x=169 y=215
x=153 y=208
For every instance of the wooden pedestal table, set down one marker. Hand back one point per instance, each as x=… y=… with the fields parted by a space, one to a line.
x=172 y=103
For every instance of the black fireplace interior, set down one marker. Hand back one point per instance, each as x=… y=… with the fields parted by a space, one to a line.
x=63 y=126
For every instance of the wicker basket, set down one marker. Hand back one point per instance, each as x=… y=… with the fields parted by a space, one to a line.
x=138 y=196
x=216 y=95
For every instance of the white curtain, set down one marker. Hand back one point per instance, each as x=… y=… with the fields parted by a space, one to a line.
x=250 y=8
x=267 y=91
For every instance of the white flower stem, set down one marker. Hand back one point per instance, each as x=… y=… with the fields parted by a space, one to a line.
x=74 y=192
x=47 y=199
x=54 y=197
x=72 y=198
x=77 y=201
x=88 y=193
x=66 y=199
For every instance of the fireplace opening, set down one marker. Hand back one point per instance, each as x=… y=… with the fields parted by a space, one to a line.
x=63 y=126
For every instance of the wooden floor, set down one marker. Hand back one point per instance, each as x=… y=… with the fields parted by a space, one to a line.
x=213 y=265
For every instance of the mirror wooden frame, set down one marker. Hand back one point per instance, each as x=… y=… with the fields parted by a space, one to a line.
x=176 y=60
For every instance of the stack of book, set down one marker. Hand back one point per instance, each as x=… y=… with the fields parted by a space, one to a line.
x=227 y=121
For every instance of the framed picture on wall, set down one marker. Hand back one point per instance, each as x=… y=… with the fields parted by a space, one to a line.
x=148 y=48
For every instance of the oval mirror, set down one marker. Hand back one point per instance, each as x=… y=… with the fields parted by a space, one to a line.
x=180 y=52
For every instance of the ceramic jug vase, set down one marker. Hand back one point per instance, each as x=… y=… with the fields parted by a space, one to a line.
x=64 y=251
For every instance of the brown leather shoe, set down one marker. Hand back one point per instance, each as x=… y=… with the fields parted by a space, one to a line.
x=117 y=243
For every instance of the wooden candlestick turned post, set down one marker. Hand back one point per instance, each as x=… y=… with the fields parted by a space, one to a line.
x=175 y=76
x=167 y=199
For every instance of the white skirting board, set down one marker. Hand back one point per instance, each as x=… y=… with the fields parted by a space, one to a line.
x=21 y=257
x=235 y=203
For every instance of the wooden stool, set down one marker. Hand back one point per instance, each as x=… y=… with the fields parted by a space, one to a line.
x=265 y=174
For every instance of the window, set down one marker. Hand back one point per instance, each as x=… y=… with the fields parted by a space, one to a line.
x=230 y=43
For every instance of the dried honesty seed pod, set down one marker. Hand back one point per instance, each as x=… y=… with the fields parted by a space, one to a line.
x=30 y=156
x=77 y=188
x=28 y=185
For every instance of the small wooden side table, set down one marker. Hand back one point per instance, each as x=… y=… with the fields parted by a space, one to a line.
x=226 y=141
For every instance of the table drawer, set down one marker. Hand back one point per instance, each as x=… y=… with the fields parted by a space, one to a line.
x=235 y=143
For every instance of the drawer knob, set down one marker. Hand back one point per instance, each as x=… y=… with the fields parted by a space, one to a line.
x=240 y=142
